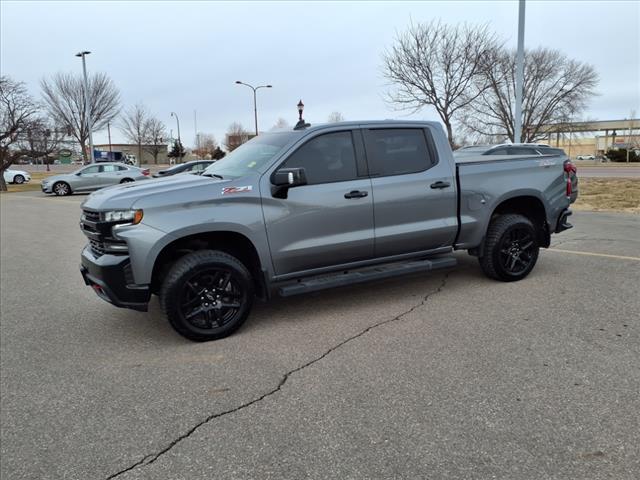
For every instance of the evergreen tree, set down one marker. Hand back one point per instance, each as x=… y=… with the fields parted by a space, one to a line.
x=177 y=151
x=218 y=153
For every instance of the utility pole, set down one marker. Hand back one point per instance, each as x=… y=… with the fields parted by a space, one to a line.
x=109 y=132
x=87 y=107
x=195 y=124
x=517 y=128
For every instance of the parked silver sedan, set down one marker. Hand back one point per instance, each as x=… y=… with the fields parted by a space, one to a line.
x=93 y=177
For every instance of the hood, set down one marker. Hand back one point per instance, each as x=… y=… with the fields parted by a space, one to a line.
x=21 y=172
x=123 y=196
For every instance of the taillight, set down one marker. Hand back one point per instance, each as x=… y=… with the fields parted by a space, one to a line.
x=569 y=169
x=146 y=172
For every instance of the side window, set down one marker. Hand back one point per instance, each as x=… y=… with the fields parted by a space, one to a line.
x=397 y=151
x=326 y=158
x=90 y=170
x=522 y=151
x=121 y=168
x=498 y=151
x=108 y=168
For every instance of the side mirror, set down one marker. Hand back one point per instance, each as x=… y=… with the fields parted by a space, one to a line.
x=79 y=173
x=287 y=178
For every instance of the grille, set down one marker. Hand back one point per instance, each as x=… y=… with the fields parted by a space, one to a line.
x=99 y=235
x=91 y=216
x=97 y=247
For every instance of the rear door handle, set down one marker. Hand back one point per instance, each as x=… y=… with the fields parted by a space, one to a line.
x=355 y=194
x=440 y=184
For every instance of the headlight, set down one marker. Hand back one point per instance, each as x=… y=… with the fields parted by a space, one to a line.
x=132 y=216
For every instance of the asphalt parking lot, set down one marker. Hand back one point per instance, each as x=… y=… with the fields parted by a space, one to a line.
x=443 y=376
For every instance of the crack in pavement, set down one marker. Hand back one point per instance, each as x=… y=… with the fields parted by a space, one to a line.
x=149 y=459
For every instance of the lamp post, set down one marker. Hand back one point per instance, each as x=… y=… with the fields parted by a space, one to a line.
x=174 y=114
x=255 y=107
x=87 y=108
x=301 y=123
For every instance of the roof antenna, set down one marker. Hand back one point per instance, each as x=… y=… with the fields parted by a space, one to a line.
x=301 y=125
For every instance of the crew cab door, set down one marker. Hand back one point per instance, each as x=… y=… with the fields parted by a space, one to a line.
x=328 y=221
x=414 y=191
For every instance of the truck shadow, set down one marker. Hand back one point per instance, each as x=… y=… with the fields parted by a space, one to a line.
x=345 y=302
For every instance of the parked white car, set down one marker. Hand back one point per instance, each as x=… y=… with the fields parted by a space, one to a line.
x=16 y=176
x=585 y=157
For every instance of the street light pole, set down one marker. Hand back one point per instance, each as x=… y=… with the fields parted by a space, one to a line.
x=173 y=114
x=517 y=128
x=87 y=108
x=255 y=104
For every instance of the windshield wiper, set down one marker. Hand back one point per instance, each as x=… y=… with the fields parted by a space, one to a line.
x=212 y=175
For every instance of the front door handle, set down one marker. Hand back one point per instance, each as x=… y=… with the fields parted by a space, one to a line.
x=440 y=184
x=355 y=194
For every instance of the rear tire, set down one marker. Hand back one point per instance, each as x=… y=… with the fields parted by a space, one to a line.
x=207 y=295
x=126 y=180
x=61 y=188
x=511 y=248
x=18 y=179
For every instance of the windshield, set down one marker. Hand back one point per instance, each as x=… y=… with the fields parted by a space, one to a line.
x=251 y=156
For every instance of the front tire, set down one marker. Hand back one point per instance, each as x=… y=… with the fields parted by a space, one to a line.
x=18 y=179
x=511 y=248
x=126 y=180
x=207 y=295
x=61 y=189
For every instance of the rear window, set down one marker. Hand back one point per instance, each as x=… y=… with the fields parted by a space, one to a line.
x=397 y=151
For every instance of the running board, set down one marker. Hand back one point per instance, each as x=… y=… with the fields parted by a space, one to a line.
x=367 y=274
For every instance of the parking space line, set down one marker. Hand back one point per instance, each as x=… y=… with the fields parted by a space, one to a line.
x=594 y=254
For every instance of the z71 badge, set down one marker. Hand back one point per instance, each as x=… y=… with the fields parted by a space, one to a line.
x=246 y=188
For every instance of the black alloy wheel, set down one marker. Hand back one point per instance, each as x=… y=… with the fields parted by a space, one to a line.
x=510 y=248
x=211 y=299
x=517 y=250
x=207 y=295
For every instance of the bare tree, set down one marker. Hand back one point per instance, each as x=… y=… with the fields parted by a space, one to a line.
x=64 y=100
x=438 y=65
x=236 y=136
x=155 y=140
x=17 y=113
x=208 y=145
x=335 y=117
x=556 y=90
x=135 y=127
x=280 y=123
x=41 y=139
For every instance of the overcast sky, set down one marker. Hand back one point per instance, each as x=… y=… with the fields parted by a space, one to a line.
x=185 y=56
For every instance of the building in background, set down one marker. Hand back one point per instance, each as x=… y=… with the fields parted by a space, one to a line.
x=594 y=138
x=132 y=149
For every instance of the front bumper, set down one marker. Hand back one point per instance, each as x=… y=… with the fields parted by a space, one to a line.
x=46 y=188
x=111 y=278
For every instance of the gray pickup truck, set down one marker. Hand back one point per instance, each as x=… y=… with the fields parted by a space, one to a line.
x=323 y=206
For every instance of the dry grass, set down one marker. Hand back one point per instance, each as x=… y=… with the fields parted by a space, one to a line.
x=609 y=194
